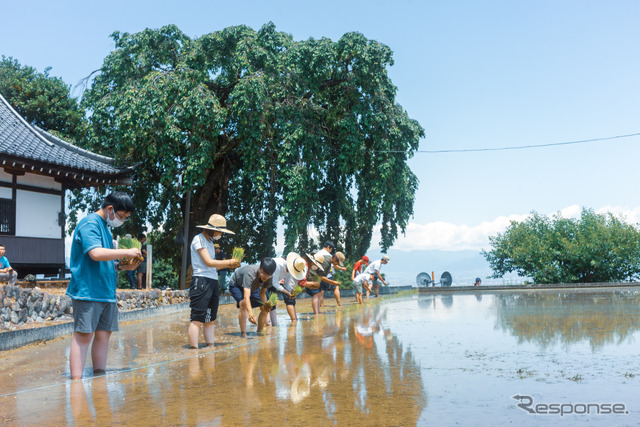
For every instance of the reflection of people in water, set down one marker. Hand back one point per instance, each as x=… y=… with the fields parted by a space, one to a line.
x=88 y=411
x=205 y=364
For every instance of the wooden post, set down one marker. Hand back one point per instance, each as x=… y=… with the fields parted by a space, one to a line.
x=149 y=264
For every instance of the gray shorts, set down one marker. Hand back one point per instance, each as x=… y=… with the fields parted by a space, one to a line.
x=357 y=286
x=91 y=316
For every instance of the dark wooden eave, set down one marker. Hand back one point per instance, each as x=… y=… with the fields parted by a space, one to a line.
x=25 y=148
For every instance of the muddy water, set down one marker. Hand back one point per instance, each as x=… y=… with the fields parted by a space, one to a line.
x=425 y=360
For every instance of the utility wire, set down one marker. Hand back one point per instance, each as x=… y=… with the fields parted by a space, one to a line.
x=521 y=147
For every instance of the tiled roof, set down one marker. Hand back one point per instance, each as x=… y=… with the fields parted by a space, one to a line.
x=23 y=145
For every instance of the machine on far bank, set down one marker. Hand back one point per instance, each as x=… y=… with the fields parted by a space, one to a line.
x=425 y=280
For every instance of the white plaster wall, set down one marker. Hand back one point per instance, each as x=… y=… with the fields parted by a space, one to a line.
x=5 y=193
x=39 y=181
x=5 y=177
x=37 y=215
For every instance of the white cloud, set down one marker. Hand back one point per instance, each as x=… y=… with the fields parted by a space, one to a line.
x=446 y=236
x=629 y=215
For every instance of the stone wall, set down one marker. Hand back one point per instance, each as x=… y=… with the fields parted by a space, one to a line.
x=23 y=306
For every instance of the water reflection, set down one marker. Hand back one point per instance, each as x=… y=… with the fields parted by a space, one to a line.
x=549 y=318
x=86 y=399
x=353 y=370
x=345 y=367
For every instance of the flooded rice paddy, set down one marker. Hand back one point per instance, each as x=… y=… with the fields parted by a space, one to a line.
x=465 y=359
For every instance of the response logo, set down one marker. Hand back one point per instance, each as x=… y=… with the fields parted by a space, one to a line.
x=527 y=404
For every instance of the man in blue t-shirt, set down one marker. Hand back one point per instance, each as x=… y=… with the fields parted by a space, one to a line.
x=7 y=273
x=92 y=287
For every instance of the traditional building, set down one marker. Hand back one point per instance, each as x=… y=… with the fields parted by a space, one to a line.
x=36 y=168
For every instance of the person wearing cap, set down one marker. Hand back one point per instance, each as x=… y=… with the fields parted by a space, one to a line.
x=374 y=270
x=289 y=273
x=248 y=286
x=325 y=259
x=312 y=282
x=328 y=284
x=478 y=282
x=204 y=291
x=357 y=267
x=361 y=282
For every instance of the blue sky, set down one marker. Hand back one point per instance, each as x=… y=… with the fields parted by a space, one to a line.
x=475 y=74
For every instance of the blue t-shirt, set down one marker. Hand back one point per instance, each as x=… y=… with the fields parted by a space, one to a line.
x=4 y=262
x=91 y=280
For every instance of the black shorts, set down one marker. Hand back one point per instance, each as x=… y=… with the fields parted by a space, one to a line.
x=237 y=293
x=327 y=286
x=287 y=300
x=205 y=297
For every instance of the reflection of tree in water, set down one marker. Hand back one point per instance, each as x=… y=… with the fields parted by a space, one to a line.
x=548 y=318
x=351 y=370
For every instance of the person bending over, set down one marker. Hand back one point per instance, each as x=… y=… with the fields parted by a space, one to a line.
x=248 y=286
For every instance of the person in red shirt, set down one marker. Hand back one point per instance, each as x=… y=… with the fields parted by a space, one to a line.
x=357 y=267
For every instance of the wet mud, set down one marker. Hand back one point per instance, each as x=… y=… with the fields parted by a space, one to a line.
x=408 y=360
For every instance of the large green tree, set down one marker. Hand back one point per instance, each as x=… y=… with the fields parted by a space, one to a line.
x=592 y=248
x=41 y=99
x=260 y=128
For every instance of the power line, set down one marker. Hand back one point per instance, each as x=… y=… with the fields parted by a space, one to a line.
x=521 y=147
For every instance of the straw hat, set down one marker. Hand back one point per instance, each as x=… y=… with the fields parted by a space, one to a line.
x=296 y=265
x=320 y=260
x=314 y=260
x=216 y=223
x=340 y=256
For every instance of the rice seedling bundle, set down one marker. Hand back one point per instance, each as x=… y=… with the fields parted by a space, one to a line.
x=127 y=243
x=272 y=301
x=238 y=254
x=296 y=291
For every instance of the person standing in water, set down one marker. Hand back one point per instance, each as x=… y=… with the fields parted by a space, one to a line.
x=374 y=270
x=93 y=283
x=204 y=291
x=358 y=266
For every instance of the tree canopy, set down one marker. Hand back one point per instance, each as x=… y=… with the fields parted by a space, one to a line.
x=41 y=99
x=592 y=248
x=259 y=128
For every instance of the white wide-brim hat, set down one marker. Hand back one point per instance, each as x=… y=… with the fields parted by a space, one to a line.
x=216 y=223
x=297 y=266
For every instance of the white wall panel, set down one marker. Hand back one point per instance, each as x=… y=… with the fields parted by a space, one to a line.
x=5 y=177
x=39 y=181
x=37 y=215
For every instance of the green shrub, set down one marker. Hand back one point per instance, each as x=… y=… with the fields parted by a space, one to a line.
x=164 y=275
